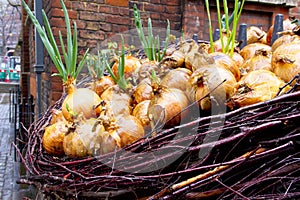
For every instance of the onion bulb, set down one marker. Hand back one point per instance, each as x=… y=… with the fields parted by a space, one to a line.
x=140 y=111
x=256 y=34
x=225 y=61
x=285 y=39
x=84 y=140
x=54 y=136
x=102 y=84
x=142 y=91
x=132 y=65
x=80 y=101
x=216 y=82
x=249 y=50
x=177 y=78
x=256 y=86
x=119 y=101
x=167 y=105
x=261 y=60
x=286 y=61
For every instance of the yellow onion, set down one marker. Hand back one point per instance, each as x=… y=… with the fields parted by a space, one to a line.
x=261 y=60
x=176 y=59
x=177 y=78
x=119 y=101
x=132 y=64
x=239 y=60
x=84 y=140
x=225 y=61
x=287 y=25
x=142 y=91
x=54 y=136
x=285 y=39
x=129 y=130
x=146 y=69
x=208 y=78
x=256 y=34
x=57 y=115
x=167 y=105
x=140 y=111
x=256 y=86
x=102 y=84
x=249 y=50
x=286 y=61
x=80 y=101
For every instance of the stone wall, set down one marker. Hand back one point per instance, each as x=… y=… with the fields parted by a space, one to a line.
x=98 y=20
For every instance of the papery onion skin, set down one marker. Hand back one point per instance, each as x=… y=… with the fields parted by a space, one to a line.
x=140 y=111
x=225 y=61
x=129 y=130
x=256 y=34
x=249 y=50
x=85 y=140
x=286 y=61
x=119 y=101
x=166 y=107
x=54 y=136
x=257 y=86
x=210 y=80
x=285 y=39
x=102 y=84
x=80 y=101
x=261 y=60
x=239 y=60
x=177 y=78
x=142 y=91
x=132 y=65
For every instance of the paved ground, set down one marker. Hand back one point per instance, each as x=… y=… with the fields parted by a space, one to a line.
x=10 y=170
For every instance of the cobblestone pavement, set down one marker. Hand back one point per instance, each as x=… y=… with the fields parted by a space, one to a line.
x=9 y=169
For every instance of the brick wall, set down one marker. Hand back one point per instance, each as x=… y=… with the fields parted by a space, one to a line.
x=99 y=20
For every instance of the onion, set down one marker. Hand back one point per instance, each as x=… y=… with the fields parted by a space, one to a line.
x=261 y=60
x=239 y=60
x=102 y=84
x=166 y=106
x=225 y=61
x=147 y=68
x=256 y=34
x=140 y=111
x=249 y=50
x=132 y=64
x=143 y=91
x=57 y=115
x=54 y=136
x=129 y=130
x=177 y=78
x=285 y=39
x=80 y=101
x=85 y=140
x=256 y=86
x=119 y=101
x=208 y=78
x=286 y=61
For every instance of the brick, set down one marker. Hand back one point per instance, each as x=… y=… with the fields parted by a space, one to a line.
x=91 y=16
x=115 y=19
x=122 y=3
x=97 y=35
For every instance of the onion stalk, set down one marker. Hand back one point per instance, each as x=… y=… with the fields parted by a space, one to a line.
x=73 y=105
x=224 y=24
x=150 y=43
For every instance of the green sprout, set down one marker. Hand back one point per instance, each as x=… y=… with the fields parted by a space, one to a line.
x=150 y=44
x=70 y=70
x=224 y=23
